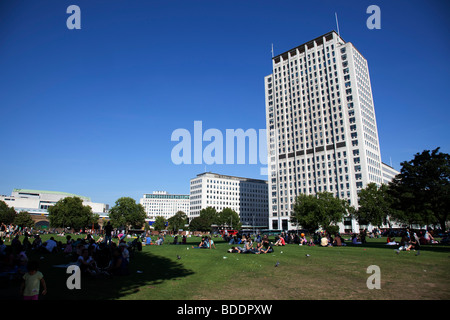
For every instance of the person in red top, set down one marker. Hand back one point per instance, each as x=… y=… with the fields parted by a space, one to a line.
x=280 y=241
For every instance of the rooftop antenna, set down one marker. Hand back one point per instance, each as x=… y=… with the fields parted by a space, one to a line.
x=337 y=24
x=272 y=50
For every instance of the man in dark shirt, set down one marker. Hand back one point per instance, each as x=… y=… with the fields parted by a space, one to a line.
x=267 y=246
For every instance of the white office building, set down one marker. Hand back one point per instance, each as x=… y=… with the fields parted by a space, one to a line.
x=248 y=197
x=163 y=204
x=389 y=173
x=321 y=126
x=38 y=201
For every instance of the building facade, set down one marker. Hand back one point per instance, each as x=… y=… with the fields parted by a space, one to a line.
x=163 y=204
x=38 y=201
x=248 y=197
x=321 y=126
x=389 y=173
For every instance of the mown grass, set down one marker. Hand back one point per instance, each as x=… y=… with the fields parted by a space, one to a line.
x=328 y=273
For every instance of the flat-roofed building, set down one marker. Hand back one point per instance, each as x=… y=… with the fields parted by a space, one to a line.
x=321 y=127
x=163 y=204
x=389 y=173
x=247 y=197
x=38 y=201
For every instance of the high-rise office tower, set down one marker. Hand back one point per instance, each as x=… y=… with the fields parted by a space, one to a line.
x=321 y=127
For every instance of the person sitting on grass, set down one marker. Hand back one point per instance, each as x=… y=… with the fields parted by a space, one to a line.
x=87 y=264
x=266 y=247
x=280 y=241
x=258 y=248
x=160 y=241
x=303 y=241
x=118 y=265
x=414 y=244
x=201 y=245
x=338 y=241
x=355 y=240
x=123 y=247
x=429 y=238
x=248 y=245
x=68 y=248
x=390 y=241
x=210 y=243
x=50 y=245
x=324 y=241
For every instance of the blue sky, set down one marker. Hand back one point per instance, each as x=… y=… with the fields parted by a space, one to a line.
x=92 y=111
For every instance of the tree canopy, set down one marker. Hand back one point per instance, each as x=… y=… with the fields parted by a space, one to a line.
x=160 y=223
x=321 y=210
x=23 y=219
x=208 y=216
x=7 y=214
x=374 y=205
x=421 y=191
x=177 y=221
x=70 y=212
x=229 y=217
x=127 y=213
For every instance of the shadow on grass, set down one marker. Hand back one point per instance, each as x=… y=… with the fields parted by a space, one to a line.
x=146 y=270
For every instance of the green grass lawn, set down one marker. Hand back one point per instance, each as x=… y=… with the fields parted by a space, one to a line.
x=328 y=273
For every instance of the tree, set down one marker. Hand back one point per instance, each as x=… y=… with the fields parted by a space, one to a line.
x=23 y=220
x=160 y=224
x=208 y=216
x=177 y=221
x=199 y=224
x=7 y=214
x=127 y=213
x=70 y=212
x=421 y=191
x=230 y=218
x=374 y=205
x=321 y=210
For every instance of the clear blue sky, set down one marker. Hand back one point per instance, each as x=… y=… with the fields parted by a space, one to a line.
x=91 y=111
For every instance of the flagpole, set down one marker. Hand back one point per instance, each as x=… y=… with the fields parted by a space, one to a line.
x=337 y=24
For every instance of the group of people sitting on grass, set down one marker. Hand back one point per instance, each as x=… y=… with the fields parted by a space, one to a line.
x=147 y=240
x=248 y=246
x=98 y=258
x=205 y=243
x=14 y=253
x=95 y=258
x=282 y=239
x=411 y=240
x=326 y=240
x=322 y=239
x=13 y=260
